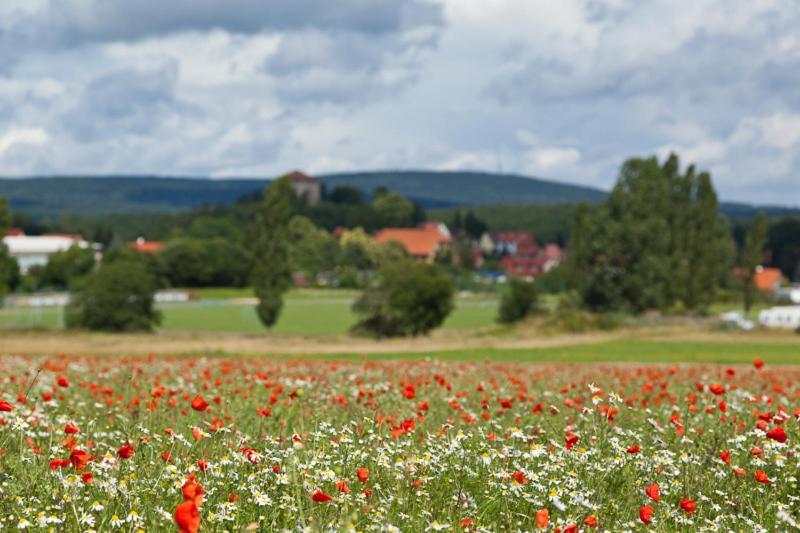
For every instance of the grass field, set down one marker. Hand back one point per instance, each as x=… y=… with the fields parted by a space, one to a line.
x=306 y=313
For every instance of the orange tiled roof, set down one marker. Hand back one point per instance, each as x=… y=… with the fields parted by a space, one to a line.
x=419 y=242
x=767 y=278
x=147 y=246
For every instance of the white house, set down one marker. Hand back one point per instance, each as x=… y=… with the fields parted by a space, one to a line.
x=790 y=293
x=784 y=316
x=35 y=250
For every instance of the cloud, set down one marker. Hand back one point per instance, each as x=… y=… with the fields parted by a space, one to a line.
x=14 y=137
x=565 y=90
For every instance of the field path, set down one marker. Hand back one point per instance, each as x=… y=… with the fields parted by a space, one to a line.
x=52 y=343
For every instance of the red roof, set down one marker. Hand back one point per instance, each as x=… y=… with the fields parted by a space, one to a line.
x=767 y=279
x=149 y=247
x=522 y=266
x=15 y=232
x=299 y=176
x=419 y=242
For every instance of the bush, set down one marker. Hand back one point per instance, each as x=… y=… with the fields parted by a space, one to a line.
x=518 y=300
x=116 y=297
x=409 y=299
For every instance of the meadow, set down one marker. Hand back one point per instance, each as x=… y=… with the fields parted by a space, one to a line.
x=244 y=444
x=306 y=313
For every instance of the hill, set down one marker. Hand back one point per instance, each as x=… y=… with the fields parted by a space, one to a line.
x=50 y=197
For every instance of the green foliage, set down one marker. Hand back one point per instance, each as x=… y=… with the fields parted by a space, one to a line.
x=751 y=258
x=63 y=268
x=657 y=241
x=214 y=262
x=410 y=299
x=9 y=270
x=116 y=297
x=784 y=244
x=518 y=299
x=394 y=210
x=271 y=272
x=346 y=194
x=311 y=249
x=474 y=226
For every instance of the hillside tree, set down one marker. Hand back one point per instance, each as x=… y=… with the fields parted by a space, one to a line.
x=9 y=270
x=751 y=258
x=272 y=275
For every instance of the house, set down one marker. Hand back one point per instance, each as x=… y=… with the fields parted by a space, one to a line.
x=784 y=316
x=147 y=247
x=520 y=254
x=767 y=279
x=523 y=267
x=35 y=250
x=520 y=243
x=422 y=242
x=306 y=187
x=790 y=293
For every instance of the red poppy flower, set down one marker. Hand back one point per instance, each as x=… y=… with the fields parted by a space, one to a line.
x=688 y=505
x=62 y=381
x=187 y=517
x=193 y=491
x=342 y=487
x=71 y=429
x=87 y=478
x=758 y=363
x=125 y=451
x=542 y=518
x=777 y=434
x=321 y=497
x=571 y=440
x=362 y=474
x=519 y=477
x=726 y=457
x=646 y=513
x=79 y=459
x=202 y=464
x=5 y=406
x=717 y=388
x=590 y=521
x=634 y=449
x=762 y=477
x=199 y=404
x=653 y=492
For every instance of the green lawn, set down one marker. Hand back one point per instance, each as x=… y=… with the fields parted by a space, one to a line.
x=626 y=351
x=309 y=312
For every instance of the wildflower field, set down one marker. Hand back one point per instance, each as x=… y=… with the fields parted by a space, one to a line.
x=229 y=444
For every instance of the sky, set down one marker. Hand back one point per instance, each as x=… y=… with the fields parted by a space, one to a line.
x=558 y=89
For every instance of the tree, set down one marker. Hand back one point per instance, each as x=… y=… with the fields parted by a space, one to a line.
x=394 y=210
x=517 y=301
x=63 y=268
x=751 y=258
x=311 y=249
x=409 y=299
x=347 y=194
x=272 y=276
x=656 y=242
x=473 y=226
x=9 y=270
x=116 y=297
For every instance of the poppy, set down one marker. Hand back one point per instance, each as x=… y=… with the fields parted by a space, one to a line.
x=590 y=521
x=688 y=505
x=646 y=513
x=321 y=497
x=542 y=518
x=199 y=404
x=777 y=434
x=125 y=451
x=193 y=491
x=519 y=477
x=5 y=406
x=634 y=449
x=362 y=474
x=79 y=459
x=187 y=517
x=762 y=477
x=71 y=429
x=758 y=363
x=653 y=492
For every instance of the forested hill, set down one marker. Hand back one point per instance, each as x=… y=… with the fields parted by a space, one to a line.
x=51 y=196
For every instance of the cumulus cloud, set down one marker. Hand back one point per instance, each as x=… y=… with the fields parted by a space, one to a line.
x=563 y=90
